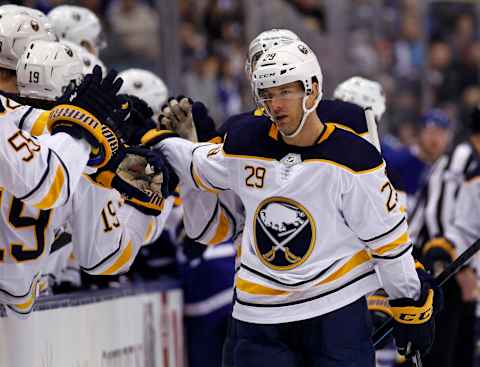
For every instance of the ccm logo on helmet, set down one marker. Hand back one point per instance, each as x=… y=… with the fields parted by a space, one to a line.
x=268 y=75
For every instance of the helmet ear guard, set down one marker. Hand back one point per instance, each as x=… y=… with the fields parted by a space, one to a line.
x=287 y=64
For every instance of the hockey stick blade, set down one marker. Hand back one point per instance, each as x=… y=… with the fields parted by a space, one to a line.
x=386 y=329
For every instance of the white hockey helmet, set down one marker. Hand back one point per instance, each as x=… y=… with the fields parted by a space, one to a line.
x=16 y=32
x=145 y=85
x=19 y=9
x=286 y=64
x=362 y=92
x=89 y=60
x=46 y=69
x=78 y=25
x=265 y=41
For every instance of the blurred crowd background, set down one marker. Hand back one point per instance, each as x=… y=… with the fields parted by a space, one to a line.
x=425 y=53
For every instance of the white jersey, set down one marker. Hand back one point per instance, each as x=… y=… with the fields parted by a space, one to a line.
x=322 y=224
x=42 y=172
x=465 y=229
x=105 y=238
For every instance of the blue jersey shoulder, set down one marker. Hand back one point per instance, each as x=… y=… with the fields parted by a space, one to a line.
x=343 y=113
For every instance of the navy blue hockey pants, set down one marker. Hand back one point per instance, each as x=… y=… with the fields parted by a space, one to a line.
x=341 y=338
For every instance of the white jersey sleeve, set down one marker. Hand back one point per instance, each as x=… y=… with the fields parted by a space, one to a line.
x=44 y=171
x=212 y=212
x=107 y=234
x=465 y=229
x=372 y=210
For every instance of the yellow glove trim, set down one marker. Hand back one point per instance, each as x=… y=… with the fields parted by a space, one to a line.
x=440 y=242
x=412 y=315
x=105 y=179
x=150 y=137
x=379 y=303
x=156 y=203
x=102 y=133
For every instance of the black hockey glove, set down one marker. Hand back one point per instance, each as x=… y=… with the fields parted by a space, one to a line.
x=204 y=123
x=138 y=122
x=92 y=111
x=414 y=327
x=437 y=254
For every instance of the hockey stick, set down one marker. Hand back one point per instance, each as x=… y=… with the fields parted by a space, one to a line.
x=372 y=128
x=386 y=329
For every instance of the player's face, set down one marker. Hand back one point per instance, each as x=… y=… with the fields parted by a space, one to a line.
x=434 y=141
x=285 y=105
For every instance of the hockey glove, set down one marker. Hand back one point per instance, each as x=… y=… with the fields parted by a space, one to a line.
x=414 y=327
x=138 y=122
x=91 y=111
x=177 y=116
x=143 y=177
x=437 y=254
x=204 y=123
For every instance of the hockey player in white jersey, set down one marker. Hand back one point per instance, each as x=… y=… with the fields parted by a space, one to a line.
x=320 y=232
x=60 y=159
x=106 y=237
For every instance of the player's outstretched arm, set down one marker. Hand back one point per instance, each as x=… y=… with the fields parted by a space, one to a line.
x=107 y=234
x=42 y=172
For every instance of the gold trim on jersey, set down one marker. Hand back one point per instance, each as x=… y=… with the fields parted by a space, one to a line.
x=200 y=184
x=149 y=231
x=229 y=155
x=259 y=111
x=273 y=132
x=400 y=241
x=25 y=305
x=349 y=129
x=295 y=260
x=54 y=192
x=121 y=260
x=253 y=288
x=221 y=234
x=40 y=124
x=346 y=168
x=216 y=140
x=329 y=129
x=359 y=258
x=473 y=180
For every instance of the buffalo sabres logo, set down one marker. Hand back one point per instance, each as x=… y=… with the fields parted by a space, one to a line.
x=303 y=49
x=284 y=233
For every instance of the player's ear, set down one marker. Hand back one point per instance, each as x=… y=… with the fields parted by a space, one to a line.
x=313 y=96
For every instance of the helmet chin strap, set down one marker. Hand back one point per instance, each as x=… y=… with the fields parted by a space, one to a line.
x=306 y=112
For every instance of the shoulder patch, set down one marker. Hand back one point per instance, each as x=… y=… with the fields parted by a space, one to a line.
x=343 y=113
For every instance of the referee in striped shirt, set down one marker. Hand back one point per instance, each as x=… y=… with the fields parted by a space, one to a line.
x=433 y=210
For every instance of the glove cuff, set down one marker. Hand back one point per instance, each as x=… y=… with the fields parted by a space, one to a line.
x=69 y=118
x=440 y=243
x=155 y=136
x=409 y=311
